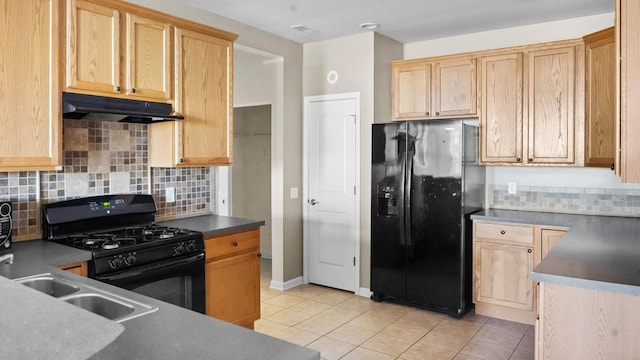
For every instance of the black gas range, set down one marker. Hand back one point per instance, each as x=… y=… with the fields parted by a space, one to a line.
x=128 y=248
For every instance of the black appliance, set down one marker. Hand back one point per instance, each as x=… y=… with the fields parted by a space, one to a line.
x=426 y=182
x=78 y=106
x=6 y=224
x=128 y=249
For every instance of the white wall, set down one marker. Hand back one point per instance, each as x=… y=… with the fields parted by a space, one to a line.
x=362 y=63
x=530 y=34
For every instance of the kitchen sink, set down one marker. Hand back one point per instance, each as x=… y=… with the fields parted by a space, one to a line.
x=100 y=302
x=50 y=285
x=100 y=305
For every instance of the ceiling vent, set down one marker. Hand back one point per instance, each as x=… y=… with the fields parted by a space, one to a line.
x=303 y=29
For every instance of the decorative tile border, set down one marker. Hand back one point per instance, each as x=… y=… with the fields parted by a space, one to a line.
x=610 y=202
x=102 y=158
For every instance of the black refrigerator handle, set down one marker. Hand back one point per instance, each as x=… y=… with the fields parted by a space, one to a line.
x=407 y=197
x=401 y=197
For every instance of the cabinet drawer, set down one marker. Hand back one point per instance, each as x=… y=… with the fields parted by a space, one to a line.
x=504 y=232
x=228 y=245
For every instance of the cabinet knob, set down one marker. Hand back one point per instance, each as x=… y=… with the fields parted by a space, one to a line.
x=427 y=113
x=118 y=88
x=529 y=251
x=133 y=91
x=613 y=166
x=181 y=160
x=530 y=159
x=235 y=243
x=259 y=255
x=437 y=113
x=502 y=232
x=518 y=160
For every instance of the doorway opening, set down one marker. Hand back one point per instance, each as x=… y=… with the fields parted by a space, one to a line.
x=251 y=170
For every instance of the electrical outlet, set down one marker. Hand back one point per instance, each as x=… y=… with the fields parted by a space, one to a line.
x=293 y=193
x=512 y=188
x=170 y=194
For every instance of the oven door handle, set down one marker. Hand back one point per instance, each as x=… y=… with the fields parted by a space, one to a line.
x=165 y=266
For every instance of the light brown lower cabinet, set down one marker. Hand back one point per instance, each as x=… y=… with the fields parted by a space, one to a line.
x=79 y=268
x=504 y=256
x=232 y=276
x=586 y=324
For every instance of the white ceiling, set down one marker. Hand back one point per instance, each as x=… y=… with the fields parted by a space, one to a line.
x=403 y=20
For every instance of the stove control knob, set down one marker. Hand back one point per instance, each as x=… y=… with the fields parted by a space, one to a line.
x=191 y=246
x=130 y=259
x=117 y=262
x=180 y=249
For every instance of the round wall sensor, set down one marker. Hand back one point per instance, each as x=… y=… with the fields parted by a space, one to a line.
x=332 y=77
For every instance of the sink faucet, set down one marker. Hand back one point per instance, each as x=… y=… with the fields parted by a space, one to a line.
x=7 y=259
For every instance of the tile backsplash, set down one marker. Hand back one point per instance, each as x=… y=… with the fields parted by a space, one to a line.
x=103 y=158
x=591 y=201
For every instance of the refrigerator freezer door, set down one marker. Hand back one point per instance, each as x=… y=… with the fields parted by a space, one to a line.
x=388 y=263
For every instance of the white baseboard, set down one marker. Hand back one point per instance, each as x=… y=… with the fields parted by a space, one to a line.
x=282 y=286
x=364 y=292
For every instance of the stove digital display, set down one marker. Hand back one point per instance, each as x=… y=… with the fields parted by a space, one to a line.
x=106 y=205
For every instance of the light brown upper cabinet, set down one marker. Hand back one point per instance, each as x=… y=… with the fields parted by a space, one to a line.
x=440 y=88
x=628 y=75
x=204 y=90
x=114 y=53
x=600 y=95
x=551 y=105
x=530 y=104
x=501 y=116
x=31 y=135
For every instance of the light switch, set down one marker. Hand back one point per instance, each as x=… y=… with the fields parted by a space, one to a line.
x=170 y=194
x=512 y=188
x=293 y=193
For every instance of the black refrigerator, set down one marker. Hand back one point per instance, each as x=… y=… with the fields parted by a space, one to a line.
x=426 y=182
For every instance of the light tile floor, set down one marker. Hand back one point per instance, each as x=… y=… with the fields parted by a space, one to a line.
x=342 y=325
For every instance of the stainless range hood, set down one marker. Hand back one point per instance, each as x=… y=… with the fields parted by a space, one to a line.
x=78 y=106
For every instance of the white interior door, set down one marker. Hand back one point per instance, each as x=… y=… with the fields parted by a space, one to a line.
x=331 y=221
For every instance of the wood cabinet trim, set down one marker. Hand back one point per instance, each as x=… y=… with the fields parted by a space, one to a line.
x=163 y=17
x=494 y=52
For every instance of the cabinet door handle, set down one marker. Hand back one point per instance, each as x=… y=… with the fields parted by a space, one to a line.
x=118 y=88
x=502 y=232
x=437 y=113
x=259 y=255
x=133 y=91
x=181 y=160
x=530 y=159
x=235 y=243
x=427 y=113
x=529 y=251
x=613 y=166
x=518 y=160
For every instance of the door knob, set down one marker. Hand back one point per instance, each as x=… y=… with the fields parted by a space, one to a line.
x=313 y=202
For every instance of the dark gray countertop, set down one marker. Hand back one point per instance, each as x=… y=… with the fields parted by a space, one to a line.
x=171 y=332
x=214 y=225
x=598 y=252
